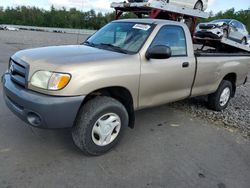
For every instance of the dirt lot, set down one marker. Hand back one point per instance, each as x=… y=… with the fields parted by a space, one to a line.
x=171 y=145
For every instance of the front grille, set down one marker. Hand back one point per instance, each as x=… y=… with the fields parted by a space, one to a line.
x=18 y=72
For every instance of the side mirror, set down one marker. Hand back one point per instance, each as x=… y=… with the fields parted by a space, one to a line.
x=159 y=52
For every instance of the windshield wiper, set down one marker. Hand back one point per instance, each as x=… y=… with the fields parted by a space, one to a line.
x=89 y=43
x=115 y=48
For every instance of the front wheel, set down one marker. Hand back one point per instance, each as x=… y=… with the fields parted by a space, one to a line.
x=219 y=100
x=99 y=125
x=244 y=41
x=225 y=33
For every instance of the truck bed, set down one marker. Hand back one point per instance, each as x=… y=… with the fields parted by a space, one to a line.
x=212 y=67
x=224 y=44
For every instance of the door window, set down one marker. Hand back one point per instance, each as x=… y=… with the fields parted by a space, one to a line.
x=173 y=37
x=234 y=24
x=240 y=26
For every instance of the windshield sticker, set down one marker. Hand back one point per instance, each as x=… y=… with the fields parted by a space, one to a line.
x=142 y=27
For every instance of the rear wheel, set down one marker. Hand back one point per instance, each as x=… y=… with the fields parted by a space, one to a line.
x=198 y=5
x=219 y=100
x=100 y=125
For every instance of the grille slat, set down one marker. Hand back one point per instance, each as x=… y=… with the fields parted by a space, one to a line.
x=19 y=70
x=18 y=73
x=18 y=79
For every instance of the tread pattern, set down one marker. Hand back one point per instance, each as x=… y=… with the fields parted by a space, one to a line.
x=214 y=99
x=87 y=117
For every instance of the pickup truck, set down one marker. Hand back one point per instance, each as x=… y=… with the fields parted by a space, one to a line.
x=94 y=88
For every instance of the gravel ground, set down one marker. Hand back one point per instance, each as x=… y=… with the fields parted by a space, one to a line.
x=236 y=117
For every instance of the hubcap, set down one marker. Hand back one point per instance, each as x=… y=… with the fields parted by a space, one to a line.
x=225 y=96
x=106 y=129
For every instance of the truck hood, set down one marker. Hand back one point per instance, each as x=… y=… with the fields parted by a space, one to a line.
x=63 y=55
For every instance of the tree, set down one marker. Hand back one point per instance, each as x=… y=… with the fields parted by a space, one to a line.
x=74 y=18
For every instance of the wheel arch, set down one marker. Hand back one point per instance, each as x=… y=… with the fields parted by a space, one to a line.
x=122 y=94
x=245 y=38
x=201 y=1
x=231 y=77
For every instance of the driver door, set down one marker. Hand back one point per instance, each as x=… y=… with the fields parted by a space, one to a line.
x=166 y=80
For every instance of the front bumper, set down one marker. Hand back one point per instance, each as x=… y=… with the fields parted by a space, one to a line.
x=40 y=110
x=215 y=34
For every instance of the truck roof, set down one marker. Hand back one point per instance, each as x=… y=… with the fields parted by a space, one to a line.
x=151 y=21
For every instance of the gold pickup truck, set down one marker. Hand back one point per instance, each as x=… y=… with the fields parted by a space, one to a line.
x=94 y=88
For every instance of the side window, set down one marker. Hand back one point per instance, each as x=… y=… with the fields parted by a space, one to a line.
x=233 y=23
x=240 y=26
x=244 y=27
x=237 y=25
x=174 y=37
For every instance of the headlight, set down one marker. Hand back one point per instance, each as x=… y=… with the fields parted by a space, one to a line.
x=50 y=80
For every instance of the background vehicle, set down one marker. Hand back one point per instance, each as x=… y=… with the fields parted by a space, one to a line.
x=248 y=40
x=227 y=28
x=127 y=65
x=196 y=4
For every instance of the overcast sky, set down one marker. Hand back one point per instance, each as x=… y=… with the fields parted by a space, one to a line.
x=104 y=5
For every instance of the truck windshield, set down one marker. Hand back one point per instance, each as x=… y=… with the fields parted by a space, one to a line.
x=122 y=37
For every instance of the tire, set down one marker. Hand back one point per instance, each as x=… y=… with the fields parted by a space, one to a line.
x=215 y=100
x=90 y=115
x=225 y=33
x=199 y=5
x=244 y=41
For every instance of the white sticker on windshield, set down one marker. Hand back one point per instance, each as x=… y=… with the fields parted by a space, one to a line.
x=142 y=27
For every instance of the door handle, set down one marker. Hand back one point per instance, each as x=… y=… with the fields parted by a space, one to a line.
x=185 y=64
